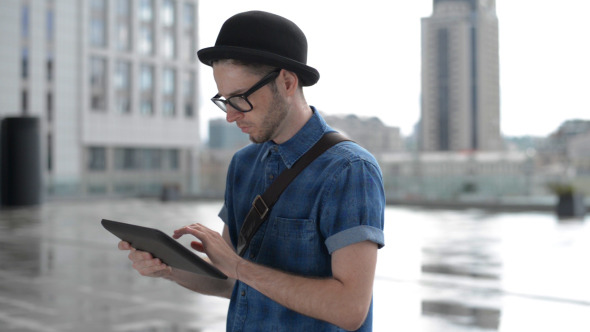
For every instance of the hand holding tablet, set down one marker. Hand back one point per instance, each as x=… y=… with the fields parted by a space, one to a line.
x=162 y=246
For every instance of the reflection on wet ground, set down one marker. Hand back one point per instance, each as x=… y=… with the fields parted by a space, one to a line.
x=439 y=271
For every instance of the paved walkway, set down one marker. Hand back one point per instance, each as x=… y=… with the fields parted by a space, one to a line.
x=439 y=271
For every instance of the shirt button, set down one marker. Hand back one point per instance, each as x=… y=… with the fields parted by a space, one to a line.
x=271 y=177
x=243 y=293
x=252 y=255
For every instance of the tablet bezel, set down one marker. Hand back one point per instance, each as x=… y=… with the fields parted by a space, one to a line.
x=162 y=246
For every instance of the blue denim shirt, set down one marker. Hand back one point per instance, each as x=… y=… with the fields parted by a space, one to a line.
x=336 y=201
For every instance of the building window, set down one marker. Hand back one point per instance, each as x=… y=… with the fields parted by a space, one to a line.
x=146 y=12
x=168 y=92
x=146 y=27
x=146 y=40
x=123 y=8
x=25 y=63
x=146 y=159
x=125 y=188
x=97 y=5
x=97 y=32
x=124 y=158
x=49 y=152
x=98 y=86
x=187 y=51
x=170 y=159
x=188 y=93
x=98 y=17
x=189 y=110
x=49 y=106
x=137 y=159
x=25 y=102
x=49 y=30
x=97 y=189
x=49 y=66
x=168 y=44
x=25 y=21
x=168 y=84
x=123 y=25
x=168 y=20
x=146 y=90
x=123 y=105
x=146 y=107
x=97 y=159
x=189 y=16
x=150 y=159
x=168 y=108
x=123 y=87
x=167 y=13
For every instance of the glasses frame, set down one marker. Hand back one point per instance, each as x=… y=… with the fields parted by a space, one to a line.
x=222 y=103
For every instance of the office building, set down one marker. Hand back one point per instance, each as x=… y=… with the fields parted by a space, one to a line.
x=226 y=136
x=460 y=77
x=370 y=132
x=114 y=84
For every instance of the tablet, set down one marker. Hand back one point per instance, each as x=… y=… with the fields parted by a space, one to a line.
x=162 y=246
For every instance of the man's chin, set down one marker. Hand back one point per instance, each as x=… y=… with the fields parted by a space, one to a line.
x=255 y=140
x=258 y=139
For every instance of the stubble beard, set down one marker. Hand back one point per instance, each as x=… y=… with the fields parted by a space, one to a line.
x=276 y=114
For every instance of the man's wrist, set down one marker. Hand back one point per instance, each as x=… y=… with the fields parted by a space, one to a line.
x=240 y=262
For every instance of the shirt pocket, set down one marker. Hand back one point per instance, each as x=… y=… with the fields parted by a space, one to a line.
x=294 y=229
x=296 y=246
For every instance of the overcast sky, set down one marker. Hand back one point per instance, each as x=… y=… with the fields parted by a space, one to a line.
x=368 y=56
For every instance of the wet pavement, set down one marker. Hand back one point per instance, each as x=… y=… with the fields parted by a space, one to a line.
x=440 y=270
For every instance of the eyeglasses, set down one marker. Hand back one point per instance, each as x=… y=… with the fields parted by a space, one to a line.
x=240 y=102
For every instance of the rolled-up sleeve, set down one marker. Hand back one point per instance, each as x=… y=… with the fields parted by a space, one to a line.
x=354 y=206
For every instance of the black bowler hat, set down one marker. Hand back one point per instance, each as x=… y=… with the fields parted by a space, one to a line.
x=263 y=38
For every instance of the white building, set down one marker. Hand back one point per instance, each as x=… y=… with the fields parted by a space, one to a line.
x=114 y=84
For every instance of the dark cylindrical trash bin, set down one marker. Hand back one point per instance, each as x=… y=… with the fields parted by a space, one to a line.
x=20 y=157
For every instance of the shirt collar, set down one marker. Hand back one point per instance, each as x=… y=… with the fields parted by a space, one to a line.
x=298 y=145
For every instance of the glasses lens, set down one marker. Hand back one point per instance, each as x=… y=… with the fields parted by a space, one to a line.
x=220 y=103
x=240 y=103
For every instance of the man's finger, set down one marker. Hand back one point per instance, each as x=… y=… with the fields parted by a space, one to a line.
x=137 y=255
x=194 y=229
x=151 y=270
x=198 y=246
x=124 y=245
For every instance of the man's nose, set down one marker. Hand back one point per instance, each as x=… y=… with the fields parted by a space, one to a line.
x=232 y=115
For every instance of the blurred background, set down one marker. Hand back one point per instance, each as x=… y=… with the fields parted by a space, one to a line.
x=476 y=110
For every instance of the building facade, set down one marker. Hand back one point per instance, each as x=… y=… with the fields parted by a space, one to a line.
x=114 y=84
x=370 y=132
x=460 y=176
x=226 y=136
x=460 y=77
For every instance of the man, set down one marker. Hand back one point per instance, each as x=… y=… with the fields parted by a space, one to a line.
x=311 y=265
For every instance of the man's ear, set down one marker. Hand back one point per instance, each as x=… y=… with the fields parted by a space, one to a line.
x=289 y=81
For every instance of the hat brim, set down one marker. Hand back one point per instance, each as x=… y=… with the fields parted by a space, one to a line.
x=308 y=75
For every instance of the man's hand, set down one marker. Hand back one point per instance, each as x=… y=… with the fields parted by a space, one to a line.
x=145 y=263
x=149 y=266
x=221 y=254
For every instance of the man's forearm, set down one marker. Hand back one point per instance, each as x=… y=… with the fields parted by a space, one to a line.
x=342 y=300
x=202 y=284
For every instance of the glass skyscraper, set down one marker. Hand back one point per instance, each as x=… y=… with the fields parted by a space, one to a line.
x=460 y=77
